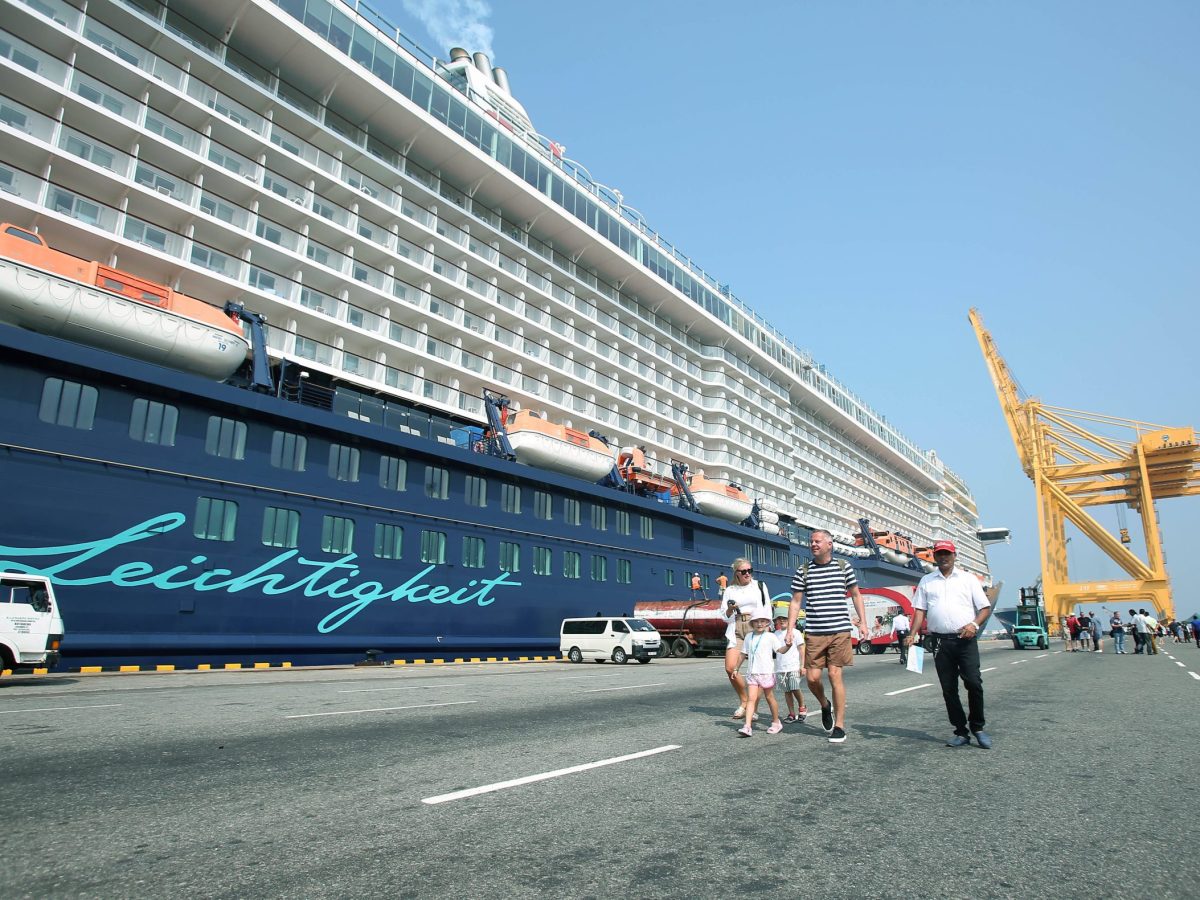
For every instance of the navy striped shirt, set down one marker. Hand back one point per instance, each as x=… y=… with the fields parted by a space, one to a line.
x=825 y=587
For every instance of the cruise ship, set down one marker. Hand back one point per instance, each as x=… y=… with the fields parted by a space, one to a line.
x=311 y=344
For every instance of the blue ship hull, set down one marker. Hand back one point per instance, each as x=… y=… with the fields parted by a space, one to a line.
x=193 y=552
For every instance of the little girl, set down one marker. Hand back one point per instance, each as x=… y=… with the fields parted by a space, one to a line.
x=760 y=647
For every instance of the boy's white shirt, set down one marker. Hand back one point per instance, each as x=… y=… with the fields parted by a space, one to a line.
x=790 y=661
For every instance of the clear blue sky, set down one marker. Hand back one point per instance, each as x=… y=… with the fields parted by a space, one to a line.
x=861 y=173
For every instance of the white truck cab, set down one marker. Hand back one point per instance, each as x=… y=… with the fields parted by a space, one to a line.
x=31 y=629
x=618 y=638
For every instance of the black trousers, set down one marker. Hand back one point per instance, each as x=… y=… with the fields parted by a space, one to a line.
x=901 y=637
x=959 y=658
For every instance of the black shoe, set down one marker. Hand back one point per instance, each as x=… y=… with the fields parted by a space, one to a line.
x=827 y=718
x=837 y=736
x=959 y=740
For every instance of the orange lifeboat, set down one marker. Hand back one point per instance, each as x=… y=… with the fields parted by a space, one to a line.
x=719 y=499
x=54 y=293
x=547 y=445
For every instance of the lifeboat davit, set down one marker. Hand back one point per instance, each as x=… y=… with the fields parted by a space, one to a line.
x=718 y=499
x=54 y=293
x=631 y=462
x=547 y=445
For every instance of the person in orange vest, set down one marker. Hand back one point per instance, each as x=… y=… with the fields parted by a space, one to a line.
x=722 y=583
x=697 y=588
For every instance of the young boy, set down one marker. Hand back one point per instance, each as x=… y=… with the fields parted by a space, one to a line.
x=759 y=647
x=787 y=673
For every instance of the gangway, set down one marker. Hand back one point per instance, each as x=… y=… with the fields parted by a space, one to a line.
x=1073 y=468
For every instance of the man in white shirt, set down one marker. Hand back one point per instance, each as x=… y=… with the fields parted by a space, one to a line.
x=900 y=630
x=956 y=608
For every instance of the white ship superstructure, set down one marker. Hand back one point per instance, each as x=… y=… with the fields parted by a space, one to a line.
x=403 y=228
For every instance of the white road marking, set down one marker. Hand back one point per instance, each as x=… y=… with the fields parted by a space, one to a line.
x=350 y=712
x=1194 y=675
x=989 y=669
x=627 y=687
x=1043 y=656
x=581 y=677
x=915 y=687
x=8 y=712
x=1058 y=651
x=557 y=773
x=1018 y=662
x=415 y=687
x=1181 y=665
x=1169 y=656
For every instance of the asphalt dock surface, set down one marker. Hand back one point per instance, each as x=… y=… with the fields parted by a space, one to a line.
x=597 y=780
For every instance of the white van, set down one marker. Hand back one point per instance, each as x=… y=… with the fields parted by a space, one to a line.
x=31 y=629
x=602 y=637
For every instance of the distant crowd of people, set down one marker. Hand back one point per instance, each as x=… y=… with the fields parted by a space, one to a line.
x=1085 y=632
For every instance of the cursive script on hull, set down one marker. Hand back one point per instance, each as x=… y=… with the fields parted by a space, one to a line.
x=92 y=563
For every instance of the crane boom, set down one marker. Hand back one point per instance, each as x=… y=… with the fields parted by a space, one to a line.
x=1074 y=468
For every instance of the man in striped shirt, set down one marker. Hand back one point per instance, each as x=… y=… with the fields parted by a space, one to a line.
x=821 y=587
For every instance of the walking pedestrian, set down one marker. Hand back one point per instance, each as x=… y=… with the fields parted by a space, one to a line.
x=760 y=648
x=787 y=672
x=954 y=602
x=1097 y=633
x=722 y=583
x=900 y=630
x=821 y=586
x=1085 y=632
x=744 y=598
x=1151 y=632
x=1073 y=631
x=1196 y=632
x=697 y=588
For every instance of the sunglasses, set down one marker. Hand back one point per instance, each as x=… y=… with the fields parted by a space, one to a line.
x=744 y=571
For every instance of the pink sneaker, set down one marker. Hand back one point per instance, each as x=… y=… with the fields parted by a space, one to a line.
x=744 y=731
x=775 y=728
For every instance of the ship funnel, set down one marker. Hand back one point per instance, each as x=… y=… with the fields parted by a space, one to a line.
x=481 y=63
x=457 y=53
x=501 y=79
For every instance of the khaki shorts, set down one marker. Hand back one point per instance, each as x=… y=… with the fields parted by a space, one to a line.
x=742 y=626
x=824 y=650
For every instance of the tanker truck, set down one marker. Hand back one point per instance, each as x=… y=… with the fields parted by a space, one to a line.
x=687 y=627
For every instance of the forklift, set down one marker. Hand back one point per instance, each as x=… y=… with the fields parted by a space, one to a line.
x=1030 y=630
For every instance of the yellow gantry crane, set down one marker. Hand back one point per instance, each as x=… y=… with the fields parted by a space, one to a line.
x=1073 y=469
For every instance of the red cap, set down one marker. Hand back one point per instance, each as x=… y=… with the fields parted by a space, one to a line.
x=947 y=546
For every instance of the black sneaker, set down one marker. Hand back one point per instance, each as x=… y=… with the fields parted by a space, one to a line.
x=827 y=719
x=837 y=736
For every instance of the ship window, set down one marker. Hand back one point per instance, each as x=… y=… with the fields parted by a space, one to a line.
x=541 y=561
x=543 y=505
x=571 y=511
x=624 y=571
x=476 y=491
x=288 y=451
x=216 y=520
x=570 y=564
x=473 y=552
x=622 y=522
x=599 y=517
x=337 y=534
x=510 y=498
x=670 y=577
x=688 y=534
x=762 y=555
x=599 y=568
x=343 y=462
x=389 y=540
x=433 y=547
x=646 y=528
x=510 y=557
x=226 y=438
x=393 y=473
x=281 y=527
x=437 y=483
x=68 y=403
x=153 y=422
